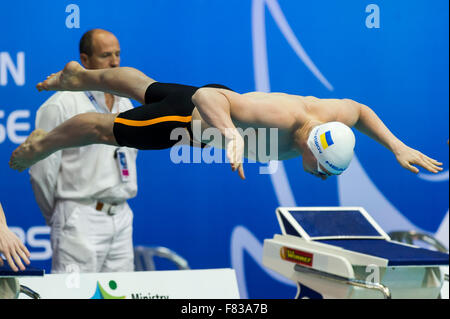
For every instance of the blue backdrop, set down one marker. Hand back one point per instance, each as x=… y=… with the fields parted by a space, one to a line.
x=390 y=55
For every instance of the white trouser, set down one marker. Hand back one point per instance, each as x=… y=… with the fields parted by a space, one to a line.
x=87 y=240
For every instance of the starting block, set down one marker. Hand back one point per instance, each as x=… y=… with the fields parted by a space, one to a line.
x=341 y=252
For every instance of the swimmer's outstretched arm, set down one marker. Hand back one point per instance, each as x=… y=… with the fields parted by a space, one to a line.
x=215 y=109
x=80 y=130
x=371 y=125
x=11 y=246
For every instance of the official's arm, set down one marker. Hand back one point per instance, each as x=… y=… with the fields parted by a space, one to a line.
x=11 y=246
x=43 y=174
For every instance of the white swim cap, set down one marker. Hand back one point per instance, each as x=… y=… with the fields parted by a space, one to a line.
x=332 y=144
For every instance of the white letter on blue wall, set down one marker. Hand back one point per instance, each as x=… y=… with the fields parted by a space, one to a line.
x=373 y=19
x=17 y=72
x=73 y=19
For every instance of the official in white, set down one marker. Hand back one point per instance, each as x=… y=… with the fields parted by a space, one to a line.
x=83 y=192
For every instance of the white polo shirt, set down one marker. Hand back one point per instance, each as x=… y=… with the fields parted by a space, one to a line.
x=89 y=173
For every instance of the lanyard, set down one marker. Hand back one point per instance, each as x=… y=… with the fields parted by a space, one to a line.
x=94 y=102
x=119 y=154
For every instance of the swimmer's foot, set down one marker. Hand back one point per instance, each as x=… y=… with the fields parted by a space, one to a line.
x=28 y=153
x=69 y=79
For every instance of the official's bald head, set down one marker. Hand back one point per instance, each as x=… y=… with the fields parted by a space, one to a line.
x=99 y=49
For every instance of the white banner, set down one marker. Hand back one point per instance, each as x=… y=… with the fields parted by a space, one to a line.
x=176 y=284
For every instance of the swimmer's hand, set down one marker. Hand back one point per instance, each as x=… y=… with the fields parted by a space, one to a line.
x=235 y=153
x=407 y=157
x=13 y=249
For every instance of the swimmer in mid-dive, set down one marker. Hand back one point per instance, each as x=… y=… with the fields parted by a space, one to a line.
x=316 y=129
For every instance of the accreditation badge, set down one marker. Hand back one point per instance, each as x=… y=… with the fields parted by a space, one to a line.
x=121 y=157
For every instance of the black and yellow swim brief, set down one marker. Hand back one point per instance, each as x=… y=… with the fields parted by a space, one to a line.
x=167 y=107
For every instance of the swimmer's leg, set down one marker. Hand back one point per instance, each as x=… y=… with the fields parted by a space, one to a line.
x=122 y=81
x=80 y=130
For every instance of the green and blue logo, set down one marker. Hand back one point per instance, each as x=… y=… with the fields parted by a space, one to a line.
x=100 y=292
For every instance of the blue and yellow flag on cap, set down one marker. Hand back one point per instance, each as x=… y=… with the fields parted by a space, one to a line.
x=326 y=140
